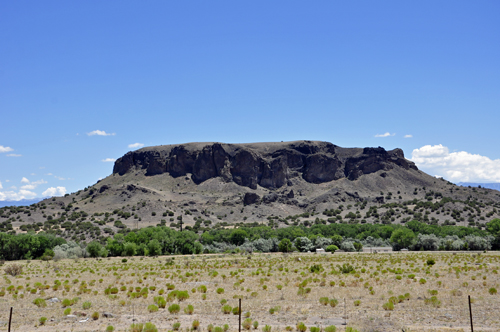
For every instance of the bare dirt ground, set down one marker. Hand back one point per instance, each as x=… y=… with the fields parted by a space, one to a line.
x=275 y=289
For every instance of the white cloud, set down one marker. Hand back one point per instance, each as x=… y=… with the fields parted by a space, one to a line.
x=16 y=196
x=387 y=134
x=108 y=160
x=4 y=149
x=32 y=185
x=135 y=145
x=100 y=133
x=1 y=187
x=14 y=155
x=59 y=177
x=54 y=191
x=24 y=180
x=408 y=136
x=459 y=166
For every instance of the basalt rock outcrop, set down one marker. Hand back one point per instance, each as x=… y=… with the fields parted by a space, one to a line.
x=269 y=165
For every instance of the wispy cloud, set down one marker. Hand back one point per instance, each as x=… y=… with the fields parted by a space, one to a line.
x=32 y=185
x=100 y=133
x=387 y=134
x=4 y=149
x=408 y=136
x=25 y=180
x=14 y=155
x=108 y=160
x=135 y=145
x=1 y=187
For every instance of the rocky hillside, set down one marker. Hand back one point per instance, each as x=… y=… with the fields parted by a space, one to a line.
x=203 y=185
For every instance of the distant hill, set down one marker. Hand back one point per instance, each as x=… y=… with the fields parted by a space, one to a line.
x=22 y=202
x=495 y=186
x=201 y=186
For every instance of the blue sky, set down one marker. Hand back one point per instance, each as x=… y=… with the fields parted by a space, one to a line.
x=423 y=76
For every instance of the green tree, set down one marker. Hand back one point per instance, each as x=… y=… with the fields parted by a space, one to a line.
x=238 y=237
x=285 y=245
x=358 y=246
x=94 y=249
x=402 y=238
x=154 y=248
x=493 y=227
x=129 y=249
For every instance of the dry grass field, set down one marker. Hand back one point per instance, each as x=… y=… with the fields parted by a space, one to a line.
x=363 y=292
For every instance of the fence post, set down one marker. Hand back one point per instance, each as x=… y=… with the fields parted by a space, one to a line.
x=239 y=316
x=10 y=317
x=470 y=312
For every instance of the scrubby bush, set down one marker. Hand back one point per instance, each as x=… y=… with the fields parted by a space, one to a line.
x=14 y=269
x=69 y=250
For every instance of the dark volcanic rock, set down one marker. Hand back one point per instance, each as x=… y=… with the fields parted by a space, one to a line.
x=269 y=198
x=270 y=165
x=251 y=198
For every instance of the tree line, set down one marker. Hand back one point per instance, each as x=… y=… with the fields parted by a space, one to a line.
x=161 y=240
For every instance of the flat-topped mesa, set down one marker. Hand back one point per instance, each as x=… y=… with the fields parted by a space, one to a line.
x=270 y=165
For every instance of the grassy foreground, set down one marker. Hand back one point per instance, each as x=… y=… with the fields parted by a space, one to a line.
x=293 y=292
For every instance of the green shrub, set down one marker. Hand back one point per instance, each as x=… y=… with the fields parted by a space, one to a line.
x=433 y=301
x=226 y=309
x=220 y=290
x=247 y=324
x=42 y=320
x=149 y=327
x=334 y=302
x=255 y=324
x=202 y=289
x=314 y=329
x=388 y=306
x=196 y=324
x=110 y=328
x=331 y=328
x=136 y=327
x=174 y=308
x=189 y=309
x=95 y=315
x=152 y=308
x=301 y=327
x=86 y=305
x=176 y=326
x=236 y=310
x=66 y=303
x=357 y=303
x=324 y=300
x=492 y=291
x=40 y=303
x=266 y=328
x=67 y=311
x=431 y=262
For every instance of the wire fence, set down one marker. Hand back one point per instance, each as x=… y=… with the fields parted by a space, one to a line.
x=415 y=315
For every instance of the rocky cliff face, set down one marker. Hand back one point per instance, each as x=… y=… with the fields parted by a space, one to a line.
x=270 y=165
